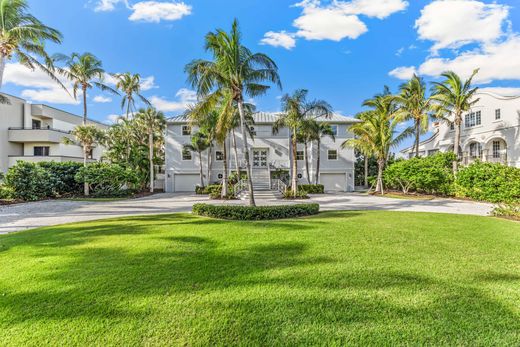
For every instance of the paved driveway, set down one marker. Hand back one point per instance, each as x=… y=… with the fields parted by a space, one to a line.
x=53 y=212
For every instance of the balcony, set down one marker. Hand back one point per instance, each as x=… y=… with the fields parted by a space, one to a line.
x=43 y=135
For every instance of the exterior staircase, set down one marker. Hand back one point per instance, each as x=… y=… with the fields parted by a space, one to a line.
x=261 y=186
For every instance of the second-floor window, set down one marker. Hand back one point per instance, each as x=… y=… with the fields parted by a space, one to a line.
x=186 y=154
x=498 y=114
x=300 y=155
x=473 y=119
x=452 y=126
x=219 y=156
x=41 y=151
x=252 y=130
x=334 y=129
x=186 y=130
x=332 y=154
x=36 y=124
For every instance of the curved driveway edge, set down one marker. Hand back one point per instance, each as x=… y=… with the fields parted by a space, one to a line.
x=54 y=212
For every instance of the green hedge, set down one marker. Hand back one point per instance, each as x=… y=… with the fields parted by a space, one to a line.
x=255 y=212
x=489 y=182
x=108 y=180
x=312 y=188
x=29 y=181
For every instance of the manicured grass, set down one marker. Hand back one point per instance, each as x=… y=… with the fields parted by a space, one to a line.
x=343 y=278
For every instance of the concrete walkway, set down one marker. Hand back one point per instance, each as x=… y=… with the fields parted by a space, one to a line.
x=53 y=212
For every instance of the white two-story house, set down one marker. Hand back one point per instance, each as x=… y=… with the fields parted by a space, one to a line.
x=269 y=153
x=35 y=133
x=490 y=132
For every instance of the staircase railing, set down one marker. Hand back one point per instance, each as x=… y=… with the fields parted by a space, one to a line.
x=240 y=187
x=279 y=185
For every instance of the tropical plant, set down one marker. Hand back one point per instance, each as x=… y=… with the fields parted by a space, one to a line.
x=376 y=134
x=23 y=37
x=316 y=131
x=234 y=71
x=199 y=143
x=452 y=97
x=153 y=124
x=85 y=71
x=296 y=111
x=130 y=85
x=415 y=106
x=88 y=136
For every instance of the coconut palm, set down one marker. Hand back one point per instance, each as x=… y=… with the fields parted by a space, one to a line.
x=199 y=143
x=377 y=133
x=85 y=71
x=130 y=85
x=234 y=70
x=415 y=106
x=452 y=97
x=296 y=110
x=316 y=130
x=88 y=136
x=22 y=37
x=153 y=123
x=250 y=121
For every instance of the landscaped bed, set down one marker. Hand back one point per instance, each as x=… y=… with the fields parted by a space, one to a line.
x=338 y=278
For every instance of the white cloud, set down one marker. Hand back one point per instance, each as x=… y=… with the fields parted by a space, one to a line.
x=148 y=83
x=455 y=23
x=155 y=11
x=40 y=87
x=113 y=118
x=102 y=99
x=185 y=98
x=403 y=72
x=108 y=5
x=280 y=39
x=374 y=8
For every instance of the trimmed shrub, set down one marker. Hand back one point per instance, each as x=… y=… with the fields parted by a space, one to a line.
x=289 y=194
x=312 y=188
x=200 y=190
x=28 y=181
x=6 y=193
x=491 y=182
x=507 y=210
x=108 y=180
x=231 y=212
x=62 y=175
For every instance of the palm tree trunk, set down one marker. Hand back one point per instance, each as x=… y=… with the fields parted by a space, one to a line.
x=307 y=163
x=84 y=105
x=201 y=170
x=85 y=184
x=366 y=170
x=318 y=161
x=246 y=152
x=456 y=145
x=210 y=162
x=236 y=154
x=150 y=158
x=2 y=68
x=225 y=175
x=417 y=136
x=380 y=167
x=294 y=184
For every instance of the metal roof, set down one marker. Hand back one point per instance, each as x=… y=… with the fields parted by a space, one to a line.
x=271 y=117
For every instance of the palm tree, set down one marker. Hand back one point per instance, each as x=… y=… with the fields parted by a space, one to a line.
x=415 y=106
x=452 y=97
x=130 y=85
x=22 y=37
x=88 y=136
x=296 y=110
x=250 y=121
x=317 y=130
x=376 y=134
x=199 y=143
x=235 y=70
x=85 y=71
x=153 y=123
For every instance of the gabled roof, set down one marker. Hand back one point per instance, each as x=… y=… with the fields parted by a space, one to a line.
x=271 y=117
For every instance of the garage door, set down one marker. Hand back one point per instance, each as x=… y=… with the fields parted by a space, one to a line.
x=186 y=183
x=334 y=182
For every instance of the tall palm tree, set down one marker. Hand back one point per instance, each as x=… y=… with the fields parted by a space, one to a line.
x=199 y=143
x=250 y=121
x=85 y=71
x=22 y=37
x=235 y=70
x=453 y=97
x=88 y=136
x=415 y=106
x=130 y=85
x=317 y=130
x=377 y=133
x=296 y=110
x=153 y=123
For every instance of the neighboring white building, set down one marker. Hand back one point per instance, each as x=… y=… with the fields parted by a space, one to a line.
x=269 y=152
x=490 y=132
x=35 y=133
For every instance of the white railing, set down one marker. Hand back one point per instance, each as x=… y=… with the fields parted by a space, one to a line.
x=240 y=187
x=279 y=185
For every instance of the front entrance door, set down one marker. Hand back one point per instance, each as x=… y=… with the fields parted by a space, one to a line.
x=260 y=158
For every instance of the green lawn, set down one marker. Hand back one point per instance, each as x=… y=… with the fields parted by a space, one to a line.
x=343 y=278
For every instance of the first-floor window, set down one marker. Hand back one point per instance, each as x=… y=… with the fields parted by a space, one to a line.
x=219 y=156
x=41 y=151
x=90 y=154
x=186 y=154
x=497 y=148
x=300 y=155
x=433 y=152
x=475 y=150
x=332 y=154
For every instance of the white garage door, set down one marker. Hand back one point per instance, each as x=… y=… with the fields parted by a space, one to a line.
x=186 y=183
x=334 y=182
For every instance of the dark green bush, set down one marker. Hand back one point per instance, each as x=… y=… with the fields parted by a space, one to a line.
x=200 y=190
x=255 y=212
x=28 y=181
x=63 y=175
x=108 y=180
x=489 y=182
x=312 y=188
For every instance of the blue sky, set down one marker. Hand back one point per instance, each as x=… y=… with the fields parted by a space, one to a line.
x=342 y=51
